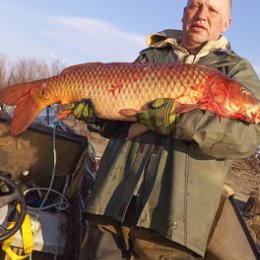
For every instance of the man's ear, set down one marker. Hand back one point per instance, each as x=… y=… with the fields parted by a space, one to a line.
x=184 y=10
x=226 y=24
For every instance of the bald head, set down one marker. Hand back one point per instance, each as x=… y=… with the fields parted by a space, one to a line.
x=227 y=4
x=205 y=20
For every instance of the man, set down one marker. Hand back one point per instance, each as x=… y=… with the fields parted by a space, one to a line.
x=156 y=196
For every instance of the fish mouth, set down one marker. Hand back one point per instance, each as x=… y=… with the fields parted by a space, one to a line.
x=257 y=116
x=254 y=115
x=248 y=113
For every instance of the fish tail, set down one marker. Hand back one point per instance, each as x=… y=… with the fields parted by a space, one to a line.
x=26 y=110
x=11 y=95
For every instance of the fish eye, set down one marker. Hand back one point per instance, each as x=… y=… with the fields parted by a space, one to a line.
x=246 y=92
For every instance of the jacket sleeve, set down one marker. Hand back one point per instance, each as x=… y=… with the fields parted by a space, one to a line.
x=219 y=137
x=222 y=137
x=109 y=128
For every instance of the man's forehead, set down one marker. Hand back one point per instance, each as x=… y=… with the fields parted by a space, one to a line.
x=209 y=2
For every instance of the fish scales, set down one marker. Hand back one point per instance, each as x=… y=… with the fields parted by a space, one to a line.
x=117 y=89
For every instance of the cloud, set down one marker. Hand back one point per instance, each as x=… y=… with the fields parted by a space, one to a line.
x=96 y=39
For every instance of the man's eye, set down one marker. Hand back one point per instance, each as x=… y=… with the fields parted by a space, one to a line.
x=193 y=6
x=212 y=10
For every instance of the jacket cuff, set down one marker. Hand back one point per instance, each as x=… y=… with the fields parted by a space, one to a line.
x=186 y=125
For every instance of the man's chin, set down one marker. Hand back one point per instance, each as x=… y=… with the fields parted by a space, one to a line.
x=198 y=38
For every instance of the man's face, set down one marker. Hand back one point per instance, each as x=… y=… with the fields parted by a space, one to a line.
x=205 y=20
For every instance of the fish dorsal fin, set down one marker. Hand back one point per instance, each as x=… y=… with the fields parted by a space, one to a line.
x=79 y=66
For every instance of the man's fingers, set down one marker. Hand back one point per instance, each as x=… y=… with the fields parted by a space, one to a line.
x=144 y=116
x=69 y=106
x=88 y=112
x=157 y=103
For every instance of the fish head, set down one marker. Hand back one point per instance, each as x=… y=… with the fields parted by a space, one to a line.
x=231 y=99
x=254 y=112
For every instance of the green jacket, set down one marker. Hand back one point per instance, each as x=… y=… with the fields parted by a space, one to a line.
x=177 y=178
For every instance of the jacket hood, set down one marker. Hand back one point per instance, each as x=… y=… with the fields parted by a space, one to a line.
x=172 y=38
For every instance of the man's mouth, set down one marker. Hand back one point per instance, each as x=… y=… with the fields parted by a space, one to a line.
x=198 y=27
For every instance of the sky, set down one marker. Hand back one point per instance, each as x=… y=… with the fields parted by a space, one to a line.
x=76 y=31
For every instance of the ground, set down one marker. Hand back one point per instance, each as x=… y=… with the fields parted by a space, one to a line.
x=244 y=179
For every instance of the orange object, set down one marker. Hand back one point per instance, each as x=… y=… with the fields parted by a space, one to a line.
x=121 y=90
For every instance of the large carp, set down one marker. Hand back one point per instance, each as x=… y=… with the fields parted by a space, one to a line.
x=121 y=90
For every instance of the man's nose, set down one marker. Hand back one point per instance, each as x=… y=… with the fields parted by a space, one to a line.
x=203 y=12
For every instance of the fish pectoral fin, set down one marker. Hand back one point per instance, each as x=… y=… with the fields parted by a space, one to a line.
x=64 y=114
x=129 y=112
x=135 y=130
x=183 y=108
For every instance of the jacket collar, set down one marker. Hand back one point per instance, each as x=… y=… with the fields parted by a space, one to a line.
x=173 y=38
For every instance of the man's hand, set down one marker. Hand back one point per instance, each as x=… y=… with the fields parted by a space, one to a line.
x=160 y=117
x=83 y=110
